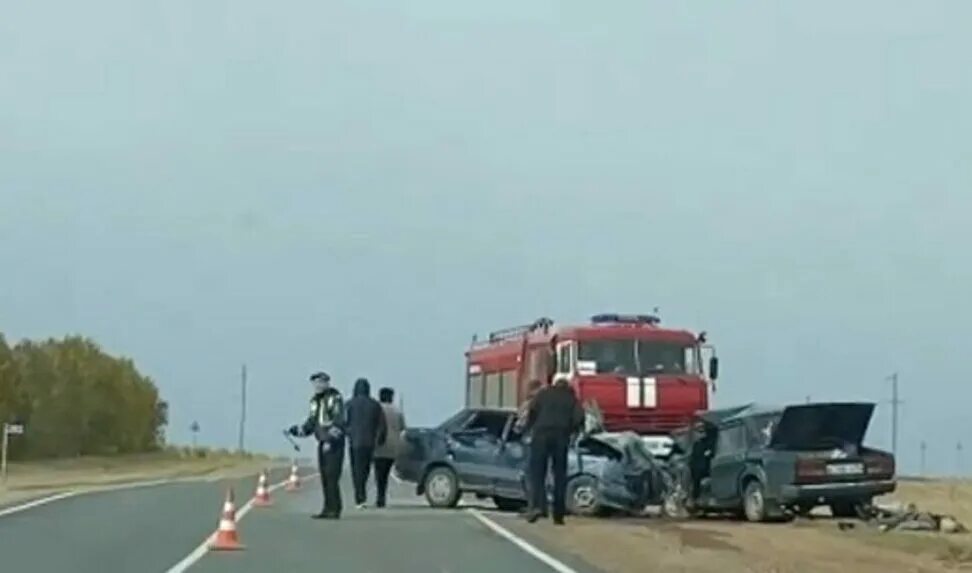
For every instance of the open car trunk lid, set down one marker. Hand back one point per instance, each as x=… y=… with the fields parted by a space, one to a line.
x=813 y=426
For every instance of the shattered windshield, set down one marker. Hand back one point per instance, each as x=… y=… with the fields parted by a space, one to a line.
x=635 y=357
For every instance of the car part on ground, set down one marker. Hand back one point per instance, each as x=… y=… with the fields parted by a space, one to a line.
x=909 y=518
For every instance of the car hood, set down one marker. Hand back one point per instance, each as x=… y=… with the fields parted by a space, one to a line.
x=810 y=426
x=635 y=455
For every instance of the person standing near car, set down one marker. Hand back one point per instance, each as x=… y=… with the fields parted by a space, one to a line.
x=386 y=453
x=520 y=426
x=326 y=423
x=554 y=416
x=366 y=430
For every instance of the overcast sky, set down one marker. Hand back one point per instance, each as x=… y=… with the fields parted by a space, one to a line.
x=360 y=186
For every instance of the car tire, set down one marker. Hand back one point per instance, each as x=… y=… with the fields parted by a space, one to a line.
x=442 y=487
x=582 y=496
x=508 y=504
x=754 y=501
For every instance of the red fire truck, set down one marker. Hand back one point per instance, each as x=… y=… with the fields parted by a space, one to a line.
x=643 y=377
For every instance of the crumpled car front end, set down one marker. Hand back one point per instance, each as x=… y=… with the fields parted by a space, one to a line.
x=624 y=471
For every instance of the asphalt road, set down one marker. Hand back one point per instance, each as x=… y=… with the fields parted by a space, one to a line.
x=161 y=529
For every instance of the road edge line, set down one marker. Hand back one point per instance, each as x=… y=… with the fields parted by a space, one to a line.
x=121 y=486
x=69 y=493
x=200 y=551
x=545 y=558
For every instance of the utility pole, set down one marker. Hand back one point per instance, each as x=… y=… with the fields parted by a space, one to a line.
x=242 y=406
x=895 y=402
x=924 y=447
x=194 y=428
x=958 y=459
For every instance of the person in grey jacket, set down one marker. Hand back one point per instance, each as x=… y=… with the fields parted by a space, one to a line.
x=385 y=454
x=366 y=430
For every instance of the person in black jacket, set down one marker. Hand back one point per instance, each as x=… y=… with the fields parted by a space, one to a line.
x=555 y=415
x=326 y=423
x=366 y=430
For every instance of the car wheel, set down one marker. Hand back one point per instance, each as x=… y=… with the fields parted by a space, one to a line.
x=582 y=496
x=754 y=502
x=508 y=504
x=442 y=487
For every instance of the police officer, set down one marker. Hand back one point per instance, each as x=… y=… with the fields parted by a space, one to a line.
x=326 y=423
x=554 y=416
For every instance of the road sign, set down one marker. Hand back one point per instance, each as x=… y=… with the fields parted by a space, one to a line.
x=14 y=429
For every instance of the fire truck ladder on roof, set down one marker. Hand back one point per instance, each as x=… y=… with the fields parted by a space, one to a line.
x=519 y=331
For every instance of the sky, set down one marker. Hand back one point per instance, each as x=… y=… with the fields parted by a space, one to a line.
x=359 y=186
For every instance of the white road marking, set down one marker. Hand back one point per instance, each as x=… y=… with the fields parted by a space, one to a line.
x=76 y=492
x=37 y=502
x=200 y=552
x=547 y=560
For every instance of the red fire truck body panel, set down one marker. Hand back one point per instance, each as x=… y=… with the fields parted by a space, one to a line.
x=644 y=378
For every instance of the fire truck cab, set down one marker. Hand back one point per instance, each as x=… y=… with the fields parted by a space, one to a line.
x=642 y=377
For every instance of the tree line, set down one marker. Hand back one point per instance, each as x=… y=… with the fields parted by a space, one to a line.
x=74 y=399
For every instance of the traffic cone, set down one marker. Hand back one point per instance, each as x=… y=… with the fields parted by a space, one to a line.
x=226 y=538
x=262 y=497
x=293 y=482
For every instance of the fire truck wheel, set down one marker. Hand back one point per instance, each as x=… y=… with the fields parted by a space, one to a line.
x=442 y=487
x=582 y=496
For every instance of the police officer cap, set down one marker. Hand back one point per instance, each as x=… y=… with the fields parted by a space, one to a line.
x=322 y=376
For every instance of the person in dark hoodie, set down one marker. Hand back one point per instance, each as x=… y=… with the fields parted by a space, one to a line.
x=326 y=423
x=366 y=430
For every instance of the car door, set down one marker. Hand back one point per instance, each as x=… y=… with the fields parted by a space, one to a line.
x=511 y=462
x=728 y=463
x=474 y=448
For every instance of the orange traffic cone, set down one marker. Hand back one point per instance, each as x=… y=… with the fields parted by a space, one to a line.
x=262 y=497
x=226 y=538
x=293 y=482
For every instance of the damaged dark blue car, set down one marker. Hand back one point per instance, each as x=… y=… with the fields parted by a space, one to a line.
x=479 y=451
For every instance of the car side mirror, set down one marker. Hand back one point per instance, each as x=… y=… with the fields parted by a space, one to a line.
x=713 y=368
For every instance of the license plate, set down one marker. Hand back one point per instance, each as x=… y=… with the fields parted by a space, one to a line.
x=845 y=469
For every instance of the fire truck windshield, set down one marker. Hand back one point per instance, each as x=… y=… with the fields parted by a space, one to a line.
x=636 y=357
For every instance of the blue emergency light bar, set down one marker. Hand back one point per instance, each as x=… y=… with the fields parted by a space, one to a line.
x=615 y=318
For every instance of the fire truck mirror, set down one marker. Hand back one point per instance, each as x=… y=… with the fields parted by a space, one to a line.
x=713 y=367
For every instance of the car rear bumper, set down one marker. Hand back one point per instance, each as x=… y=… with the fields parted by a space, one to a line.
x=826 y=492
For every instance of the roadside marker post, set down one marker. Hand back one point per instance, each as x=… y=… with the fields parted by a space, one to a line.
x=8 y=430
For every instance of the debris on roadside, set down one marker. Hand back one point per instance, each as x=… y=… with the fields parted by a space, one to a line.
x=900 y=517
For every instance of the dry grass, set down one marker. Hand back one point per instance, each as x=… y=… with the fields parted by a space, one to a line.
x=815 y=545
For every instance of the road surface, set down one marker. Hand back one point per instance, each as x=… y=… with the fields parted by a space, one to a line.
x=161 y=528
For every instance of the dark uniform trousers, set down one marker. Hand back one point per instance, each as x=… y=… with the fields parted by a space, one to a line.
x=330 y=463
x=549 y=448
x=361 y=458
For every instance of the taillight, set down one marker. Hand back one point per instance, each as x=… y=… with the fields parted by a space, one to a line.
x=810 y=469
x=879 y=465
